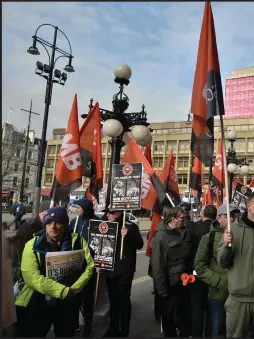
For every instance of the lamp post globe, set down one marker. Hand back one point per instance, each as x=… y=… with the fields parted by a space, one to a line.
x=244 y=170
x=147 y=141
x=140 y=133
x=112 y=128
x=232 y=168
x=231 y=135
x=122 y=72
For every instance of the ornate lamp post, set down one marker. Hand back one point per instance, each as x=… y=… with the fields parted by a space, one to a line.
x=234 y=163
x=117 y=122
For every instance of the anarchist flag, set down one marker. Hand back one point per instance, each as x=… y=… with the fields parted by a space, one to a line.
x=196 y=179
x=207 y=96
x=217 y=182
x=90 y=147
x=148 y=154
x=68 y=174
x=151 y=185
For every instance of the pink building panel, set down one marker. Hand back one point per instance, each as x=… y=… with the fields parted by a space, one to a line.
x=239 y=98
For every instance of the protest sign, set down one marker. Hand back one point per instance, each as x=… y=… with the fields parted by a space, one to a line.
x=126 y=187
x=240 y=196
x=103 y=240
x=64 y=267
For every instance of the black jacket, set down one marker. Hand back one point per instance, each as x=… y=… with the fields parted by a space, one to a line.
x=133 y=241
x=197 y=230
x=171 y=257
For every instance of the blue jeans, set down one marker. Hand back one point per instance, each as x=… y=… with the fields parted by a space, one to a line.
x=217 y=318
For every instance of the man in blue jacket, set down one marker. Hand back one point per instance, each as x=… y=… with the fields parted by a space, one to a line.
x=19 y=213
x=85 y=213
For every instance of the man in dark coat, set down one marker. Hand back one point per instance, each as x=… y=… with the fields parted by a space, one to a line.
x=85 y=213
x=170 y=259
x=119 y=281
x=199 y=290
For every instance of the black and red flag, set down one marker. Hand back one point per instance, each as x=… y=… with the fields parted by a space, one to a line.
x=68 y=175
x=207 y=96
x=217 y=181
x=90 y=147
x=196 y=179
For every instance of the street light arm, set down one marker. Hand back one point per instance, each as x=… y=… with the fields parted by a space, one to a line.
x=67 y=40
x=60 y=56
x=43 y=25
x=45 y=49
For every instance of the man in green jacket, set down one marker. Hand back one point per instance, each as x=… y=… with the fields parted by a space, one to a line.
x=44 y=301
x=209 y=271
x=239 y=260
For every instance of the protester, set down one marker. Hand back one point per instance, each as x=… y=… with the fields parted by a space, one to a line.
x=171 y=257
x=212 y=274
x=119 y=281
x=8 y=305
x=85 y=213
x=187 y=213
x=199 y=290
x=19 y=212
x=27 y=230
x=236 y=253
x=35 y=313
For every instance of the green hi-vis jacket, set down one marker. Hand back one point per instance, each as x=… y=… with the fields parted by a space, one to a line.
x=34 y=281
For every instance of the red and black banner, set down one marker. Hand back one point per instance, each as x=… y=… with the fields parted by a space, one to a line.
x=207 y=96
x=196 y=179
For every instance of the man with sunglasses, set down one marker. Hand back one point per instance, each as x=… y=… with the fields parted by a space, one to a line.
x=119 y=281
x=171 y=257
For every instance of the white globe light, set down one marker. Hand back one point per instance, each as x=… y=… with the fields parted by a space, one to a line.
x=140 y=133
x=232 y=168
x=122 y=72
x=244 y=170
x=147 y=141
x=112 y=128
x=231 y=135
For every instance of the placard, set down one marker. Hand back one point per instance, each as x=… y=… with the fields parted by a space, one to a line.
x=126 y=186
x=102 y=240
x=240 y=196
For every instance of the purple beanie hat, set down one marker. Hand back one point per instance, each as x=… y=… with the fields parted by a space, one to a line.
x=58 y=214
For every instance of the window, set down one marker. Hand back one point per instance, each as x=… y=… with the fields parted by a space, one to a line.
x=15 y=181
x=157 y=162
x=52 y=149
x=48 y=179
x=158 y=146
x=240 y=145
x=184 y=146
x=30 y=155
x=182 y=179
x=26 y=182
x=250 y=145
x=16 y=167
x=28 y=168
x=50 y=163
x=183 y=162
x=171 y=145
x=18 y=153
x=58 y=149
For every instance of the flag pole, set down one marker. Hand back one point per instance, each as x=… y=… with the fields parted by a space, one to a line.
x=122 y=239
x=170 y=200
x=76 y=224
x=98 y=271
x=225 y=168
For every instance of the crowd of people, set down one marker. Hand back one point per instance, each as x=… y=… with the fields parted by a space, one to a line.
x=218 y=302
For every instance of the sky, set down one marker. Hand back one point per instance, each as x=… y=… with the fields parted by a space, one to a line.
x=158 y=40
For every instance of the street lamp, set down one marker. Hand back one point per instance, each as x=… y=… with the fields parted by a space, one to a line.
x=52 y=75
x=117 y=122
x=234 y=163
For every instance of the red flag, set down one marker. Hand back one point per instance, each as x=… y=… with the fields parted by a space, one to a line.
x=251 y=183
x=207 y=199
x=207 y=95
x=217 y=179
x=148 y=154
x=196 y=179
x=90 y=144
x=68 y=175
x=155 y=221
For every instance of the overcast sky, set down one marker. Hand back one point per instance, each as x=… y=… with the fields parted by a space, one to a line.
x=158 y=41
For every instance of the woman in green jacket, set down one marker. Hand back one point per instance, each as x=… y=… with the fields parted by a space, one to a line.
x=44 y=302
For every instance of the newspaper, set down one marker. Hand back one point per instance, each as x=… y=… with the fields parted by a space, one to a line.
x=64 y=267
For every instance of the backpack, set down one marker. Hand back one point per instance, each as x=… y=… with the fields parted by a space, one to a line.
x=210 y=244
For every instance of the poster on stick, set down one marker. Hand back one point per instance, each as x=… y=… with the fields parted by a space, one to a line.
x=103 y=240
x=126 y=187
x=240 y=196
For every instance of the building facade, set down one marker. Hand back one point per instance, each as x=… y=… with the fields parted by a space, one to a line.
x=239 y=94
x=166 y=136
x=13 y=151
